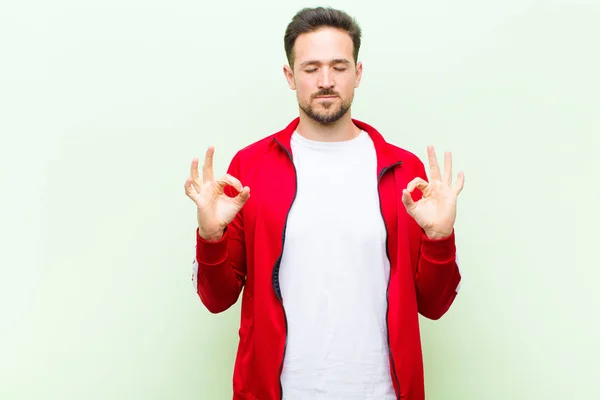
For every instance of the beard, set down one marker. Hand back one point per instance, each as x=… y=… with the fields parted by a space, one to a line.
x=331 y=113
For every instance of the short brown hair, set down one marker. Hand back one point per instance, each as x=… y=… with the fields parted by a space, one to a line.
x=310 y=19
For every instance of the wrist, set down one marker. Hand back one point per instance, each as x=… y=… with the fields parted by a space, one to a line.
x=212 y=236
x=438 y=235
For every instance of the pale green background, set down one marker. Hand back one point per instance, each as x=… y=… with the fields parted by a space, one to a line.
x=104 y=103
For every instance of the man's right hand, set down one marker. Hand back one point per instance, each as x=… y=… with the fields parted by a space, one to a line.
x=215 y=209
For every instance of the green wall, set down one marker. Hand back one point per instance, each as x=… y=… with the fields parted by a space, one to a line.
x=104 y=103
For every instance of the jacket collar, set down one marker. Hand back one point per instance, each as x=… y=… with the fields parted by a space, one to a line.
x=387 y=154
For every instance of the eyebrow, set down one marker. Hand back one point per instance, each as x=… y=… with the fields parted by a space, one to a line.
x=315 y=62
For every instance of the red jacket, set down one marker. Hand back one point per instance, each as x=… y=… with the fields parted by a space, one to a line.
x=424 y=275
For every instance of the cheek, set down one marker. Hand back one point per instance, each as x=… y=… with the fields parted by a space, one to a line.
x=305 y=89
x=347 y=86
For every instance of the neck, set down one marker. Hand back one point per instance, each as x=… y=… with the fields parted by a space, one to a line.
x=340 y=131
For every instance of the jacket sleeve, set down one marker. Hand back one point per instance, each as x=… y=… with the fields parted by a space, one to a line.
x=219 y=272
x=437 y=278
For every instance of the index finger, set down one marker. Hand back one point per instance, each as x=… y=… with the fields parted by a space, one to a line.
x=433 y=164
x=194 y=169
x=207 y=169
x=448 y=168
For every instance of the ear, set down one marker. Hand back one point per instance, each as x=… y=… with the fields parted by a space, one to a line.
x=359 y=71
x=289 y=76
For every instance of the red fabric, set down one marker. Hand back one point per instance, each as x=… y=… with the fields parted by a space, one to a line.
x=423 y=276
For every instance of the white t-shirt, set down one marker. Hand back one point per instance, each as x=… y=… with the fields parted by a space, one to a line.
x=334 y=274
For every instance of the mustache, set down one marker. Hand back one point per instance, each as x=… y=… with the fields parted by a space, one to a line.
x=326 y=92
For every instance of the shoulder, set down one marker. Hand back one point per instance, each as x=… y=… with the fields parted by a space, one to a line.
x=411 y=163
x=254 y=153
x=256 y=149
x=405 y=155
x=389 y=149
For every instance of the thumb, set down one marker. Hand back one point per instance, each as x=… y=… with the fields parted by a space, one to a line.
x=407 y=200
x=243 y=197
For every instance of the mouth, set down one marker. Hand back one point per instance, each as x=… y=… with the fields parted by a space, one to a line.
x=326 y=97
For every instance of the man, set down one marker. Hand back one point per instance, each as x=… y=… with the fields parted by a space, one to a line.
x=340 y=246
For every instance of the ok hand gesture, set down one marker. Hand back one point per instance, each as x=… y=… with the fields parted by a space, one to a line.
x=435 y=212
x=215 y=208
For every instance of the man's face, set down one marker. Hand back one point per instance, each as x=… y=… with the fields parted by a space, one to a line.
x=324 y=74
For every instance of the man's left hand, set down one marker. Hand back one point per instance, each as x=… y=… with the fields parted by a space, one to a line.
x=435 y=212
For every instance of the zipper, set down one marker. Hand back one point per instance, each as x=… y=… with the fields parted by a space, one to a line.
x=387 y=311
x=275 y=276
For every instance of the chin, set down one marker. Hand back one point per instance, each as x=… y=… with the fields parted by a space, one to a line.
x=328 y=118
x=326 y=112
x=325 y=115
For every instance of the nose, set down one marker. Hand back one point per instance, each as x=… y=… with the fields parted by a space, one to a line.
x=326 y=80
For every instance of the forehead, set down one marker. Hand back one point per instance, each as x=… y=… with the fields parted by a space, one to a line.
x=323 y=44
